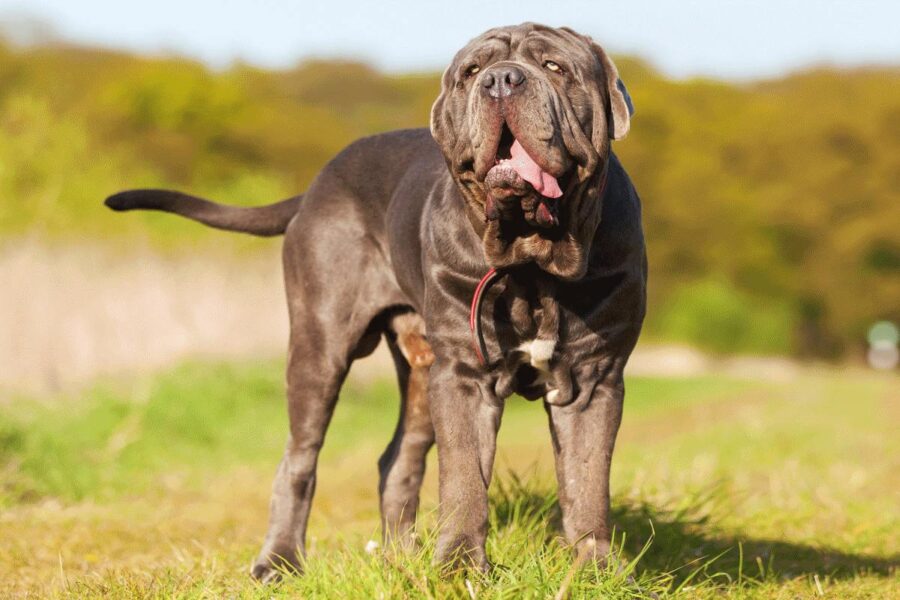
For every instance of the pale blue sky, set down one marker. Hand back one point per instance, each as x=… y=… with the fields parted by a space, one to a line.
x=720 y=38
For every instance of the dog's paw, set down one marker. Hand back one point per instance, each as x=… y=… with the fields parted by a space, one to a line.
x=266 y=573
x=272 y=568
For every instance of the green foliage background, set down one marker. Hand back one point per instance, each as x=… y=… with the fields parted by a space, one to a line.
x=771 y=208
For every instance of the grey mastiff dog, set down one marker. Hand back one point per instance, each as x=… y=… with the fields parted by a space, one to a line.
x=499 y=253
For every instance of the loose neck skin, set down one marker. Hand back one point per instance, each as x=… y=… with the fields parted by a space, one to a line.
x=561 y=251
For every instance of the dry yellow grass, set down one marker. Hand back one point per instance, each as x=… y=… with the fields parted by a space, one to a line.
x=74 y=311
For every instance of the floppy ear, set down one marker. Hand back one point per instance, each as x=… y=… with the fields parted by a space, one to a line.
x=620 y=105
x=441 y=122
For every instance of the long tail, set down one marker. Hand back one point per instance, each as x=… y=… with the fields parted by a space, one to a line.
x=267 y=220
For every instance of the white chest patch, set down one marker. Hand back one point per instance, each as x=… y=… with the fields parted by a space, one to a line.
x=539 y=353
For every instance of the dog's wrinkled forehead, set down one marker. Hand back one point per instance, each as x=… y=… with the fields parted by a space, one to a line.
x=527 y=43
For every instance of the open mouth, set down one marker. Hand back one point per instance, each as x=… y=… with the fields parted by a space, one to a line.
x=519 y=187
x=512 y=156
x=504 y=148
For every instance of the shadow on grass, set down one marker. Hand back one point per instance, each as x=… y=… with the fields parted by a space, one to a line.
x=682 y=540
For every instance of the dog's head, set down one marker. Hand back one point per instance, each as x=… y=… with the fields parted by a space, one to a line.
x=524 y=119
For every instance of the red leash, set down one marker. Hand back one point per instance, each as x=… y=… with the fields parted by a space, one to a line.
x=484 y=285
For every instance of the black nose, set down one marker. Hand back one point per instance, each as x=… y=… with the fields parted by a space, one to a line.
x=502 y=81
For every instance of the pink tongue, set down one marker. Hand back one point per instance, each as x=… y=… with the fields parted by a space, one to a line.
x=545 y=183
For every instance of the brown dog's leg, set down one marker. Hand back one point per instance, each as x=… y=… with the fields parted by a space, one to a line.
x=584 y=434
x=402 y=466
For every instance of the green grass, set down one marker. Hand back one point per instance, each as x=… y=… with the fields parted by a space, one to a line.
x=723 y=487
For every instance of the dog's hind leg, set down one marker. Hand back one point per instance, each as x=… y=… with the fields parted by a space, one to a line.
x=402 y=465
x=334 y=319
x=314 y=378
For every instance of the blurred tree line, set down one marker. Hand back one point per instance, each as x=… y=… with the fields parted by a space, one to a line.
x=771 y=208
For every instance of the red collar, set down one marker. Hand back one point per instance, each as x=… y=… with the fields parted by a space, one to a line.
x=475 y=314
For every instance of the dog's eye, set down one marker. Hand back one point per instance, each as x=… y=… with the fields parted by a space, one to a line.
x=552 y=66
x=473 y=70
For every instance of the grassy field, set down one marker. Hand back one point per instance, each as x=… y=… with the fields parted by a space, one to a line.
x=737 y=488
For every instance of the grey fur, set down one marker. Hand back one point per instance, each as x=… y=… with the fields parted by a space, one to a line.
x=391 y=239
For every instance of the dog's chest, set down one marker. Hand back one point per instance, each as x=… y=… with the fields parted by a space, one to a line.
x=537 y=354
x=529 y=340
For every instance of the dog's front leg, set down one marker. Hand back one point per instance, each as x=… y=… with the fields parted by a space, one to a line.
x=466 y=417
x=584 y=434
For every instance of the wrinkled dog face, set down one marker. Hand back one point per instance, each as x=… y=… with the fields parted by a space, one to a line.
x=524 y=119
